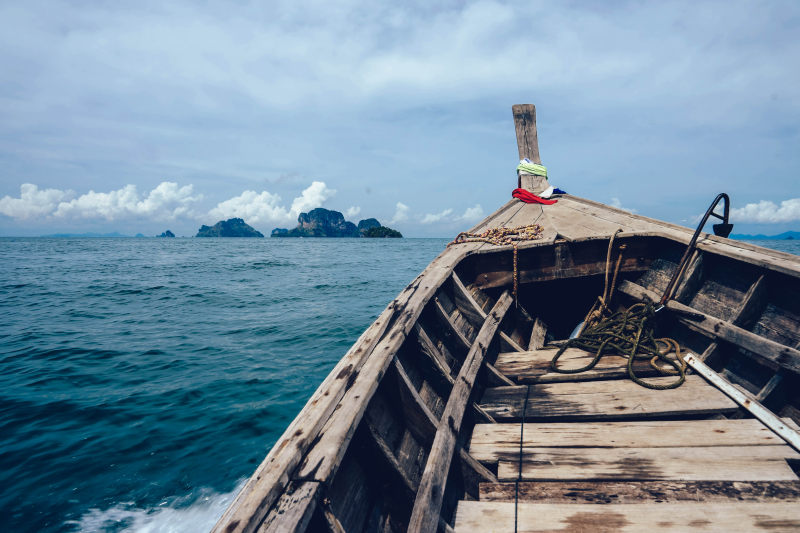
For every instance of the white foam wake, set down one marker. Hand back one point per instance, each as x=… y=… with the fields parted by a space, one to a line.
x=186 y=514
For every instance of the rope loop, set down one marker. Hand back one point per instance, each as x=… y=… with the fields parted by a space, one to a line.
x=627 y=333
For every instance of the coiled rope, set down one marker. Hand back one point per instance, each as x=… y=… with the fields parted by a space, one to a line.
x=503 y=237
x=627 y=333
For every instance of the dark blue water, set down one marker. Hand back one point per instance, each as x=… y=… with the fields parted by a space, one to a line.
x=141 y=380
x=790 y=246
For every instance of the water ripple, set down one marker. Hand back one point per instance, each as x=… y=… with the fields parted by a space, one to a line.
x=142 y=379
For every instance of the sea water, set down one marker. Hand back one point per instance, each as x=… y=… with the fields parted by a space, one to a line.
x=143 y=380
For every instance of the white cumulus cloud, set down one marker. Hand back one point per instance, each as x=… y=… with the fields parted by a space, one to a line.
x=313 y=196
x=430 y=218
x=253 y=207
x=768 y=212
x=265 y=207
x=33 y=202
x=352 y=211
x=165 y=202
x=400 y=213
x=472 y=213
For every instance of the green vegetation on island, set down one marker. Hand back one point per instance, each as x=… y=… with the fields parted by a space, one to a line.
x=233 y=227
x=322 y=222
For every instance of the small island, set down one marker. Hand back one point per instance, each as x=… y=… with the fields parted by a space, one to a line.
x=167 y=234
x=322 y=222
x=233 y=227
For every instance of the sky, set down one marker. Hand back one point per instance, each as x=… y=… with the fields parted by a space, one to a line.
x=138 y=117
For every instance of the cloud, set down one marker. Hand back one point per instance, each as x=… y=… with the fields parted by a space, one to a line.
x=472 y=213
x=352 y=211
x=768 y=212
x=167 y=201
x=33 y=202
x=313 y=196
x=252 y=207
x=431 y=218
x=265 y=207
x=400 y=213
x=615 y=202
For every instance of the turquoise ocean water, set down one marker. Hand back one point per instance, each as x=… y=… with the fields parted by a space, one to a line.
x=142 y=380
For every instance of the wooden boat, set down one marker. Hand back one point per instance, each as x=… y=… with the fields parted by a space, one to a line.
x=446 y=415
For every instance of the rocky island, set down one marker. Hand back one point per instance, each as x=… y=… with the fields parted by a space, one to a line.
x=233 y=227
x=166 y=235
x=322 y=222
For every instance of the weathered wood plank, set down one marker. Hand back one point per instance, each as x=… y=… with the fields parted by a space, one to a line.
x=458 y=335
x=753 y=304
x=503 y=276
x=770 y=386
x=691 y=279
x=401 y=476
x=525 y=126
x=422 y=423
x=481 y=415
x=499 y=517
x=259 y=493
x=755 y=255
x=430 y=350
x=495 y=377
x=538 y=335
x=606 y=400
x=334 y=526
x=293 y=510
x=771 y=351
x=492 y=442
x=465 y=302
x=425 y=516
x=533 y=366
x=638 y=492
x=746 y=400
x=472 y=464
x=699 y=463
x=418 y=417
x=322 y=460
x=575 y=225
x=440 y=365
x=467 y=296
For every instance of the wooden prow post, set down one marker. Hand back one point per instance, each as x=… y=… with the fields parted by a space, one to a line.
x=528 y=145
x=527 y=139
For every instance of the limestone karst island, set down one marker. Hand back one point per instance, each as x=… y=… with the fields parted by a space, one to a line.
x=321 y=222
x=316 y=223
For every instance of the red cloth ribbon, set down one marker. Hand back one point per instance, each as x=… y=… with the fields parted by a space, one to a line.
x=530 y=198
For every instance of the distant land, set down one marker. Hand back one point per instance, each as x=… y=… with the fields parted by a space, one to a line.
x=786 y=235
x=89 y=235
x=233 y=227
x=322 y=222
